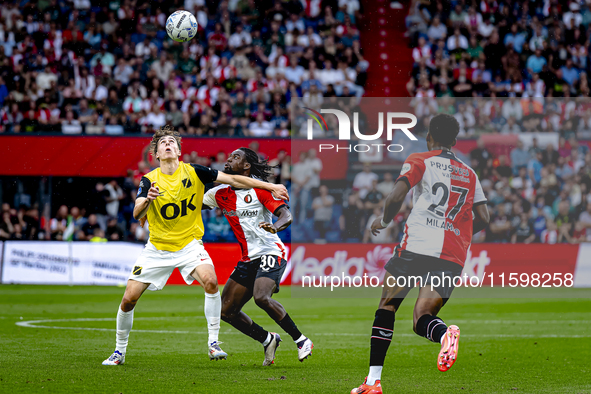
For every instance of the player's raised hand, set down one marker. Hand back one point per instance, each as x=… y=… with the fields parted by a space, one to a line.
x=268 y=227
x=376 y=226
x=280 y=192
x=154 y=192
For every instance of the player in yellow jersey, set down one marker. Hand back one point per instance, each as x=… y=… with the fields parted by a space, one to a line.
x=171 y=197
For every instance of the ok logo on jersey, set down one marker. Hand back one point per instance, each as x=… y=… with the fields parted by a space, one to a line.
x=176 y=210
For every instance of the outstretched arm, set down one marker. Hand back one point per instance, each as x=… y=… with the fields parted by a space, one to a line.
x=281 y=224
x=243 y=182
x=392 y=206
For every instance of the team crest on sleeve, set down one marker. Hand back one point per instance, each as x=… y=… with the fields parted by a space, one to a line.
x=405 y=168
x=248 y=199
x=139 y=190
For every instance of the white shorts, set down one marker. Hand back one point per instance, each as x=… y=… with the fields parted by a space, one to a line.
x=155 y=266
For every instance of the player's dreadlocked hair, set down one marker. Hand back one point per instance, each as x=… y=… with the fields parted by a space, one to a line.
x=163 y=132
x=260 y=169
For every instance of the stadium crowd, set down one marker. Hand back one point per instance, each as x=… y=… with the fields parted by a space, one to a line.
x=90 y=67
x=500 y=48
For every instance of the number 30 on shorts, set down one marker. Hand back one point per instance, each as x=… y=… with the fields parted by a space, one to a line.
x=267 y=262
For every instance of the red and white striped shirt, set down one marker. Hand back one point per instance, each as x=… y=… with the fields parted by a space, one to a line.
x=444 y=192
x=184 y=94
x=207 y=95
x=245 y=209
x=213 y=61
x=223 y=73
x=549 y=237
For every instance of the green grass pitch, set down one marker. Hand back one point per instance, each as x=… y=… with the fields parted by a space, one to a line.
x=528 y=345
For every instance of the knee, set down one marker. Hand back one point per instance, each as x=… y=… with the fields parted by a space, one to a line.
x=210 y=284
x=128 y=303
x=262 y=302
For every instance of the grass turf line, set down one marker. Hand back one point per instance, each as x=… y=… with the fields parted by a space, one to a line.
x=506 y=345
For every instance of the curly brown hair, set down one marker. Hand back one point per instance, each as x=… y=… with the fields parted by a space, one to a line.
x=163 y=132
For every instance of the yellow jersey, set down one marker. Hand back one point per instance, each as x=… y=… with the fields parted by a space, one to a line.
x=175 y=216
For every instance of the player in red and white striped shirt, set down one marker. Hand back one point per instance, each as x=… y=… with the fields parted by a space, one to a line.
x=448 y=207
x=258 y=273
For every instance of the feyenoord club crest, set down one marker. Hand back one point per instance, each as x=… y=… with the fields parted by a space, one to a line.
x=248 y=199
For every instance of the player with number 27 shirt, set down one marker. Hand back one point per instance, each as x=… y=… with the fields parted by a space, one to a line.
x=449 y=206
x=258 y=273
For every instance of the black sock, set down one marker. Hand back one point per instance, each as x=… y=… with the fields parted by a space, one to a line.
x=431 y=327
x=381 y=336
x=254 y=331
x=289 y=327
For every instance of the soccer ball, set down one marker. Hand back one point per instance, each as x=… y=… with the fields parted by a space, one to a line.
x=181 y=26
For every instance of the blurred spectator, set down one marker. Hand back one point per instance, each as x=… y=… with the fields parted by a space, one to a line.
x=113 y=196
x=95 y=126
x=480 y=155
x=550 y=234
x=140 y=233
x=6 y=227
x=322 y=206
x=585 y=220
x=98 y=235
x=114 y=231
x=71 y=125
x=524 y=232
x=364 y=180
x=88 y=229
x=519 y=157
x=301 y=175
x=351 y=220
x=220 y=161
x=113 y=128
x=511 y=127
x=58 y=224
x=315 y=166
x=260 y=127
x=386 y=186
x=503 y=170
x=373 y=198
x=218 y=227
x=437 y=30
x=282 y=167
x=500 y=226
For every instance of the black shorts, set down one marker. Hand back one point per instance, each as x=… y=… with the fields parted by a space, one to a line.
x=411 y=265
x=247 y=272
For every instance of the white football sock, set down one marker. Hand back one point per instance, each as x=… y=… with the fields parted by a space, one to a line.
x=213 y=310
x=441 y=340
x=269 y=338
x=375 y=373
x=124 y=324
